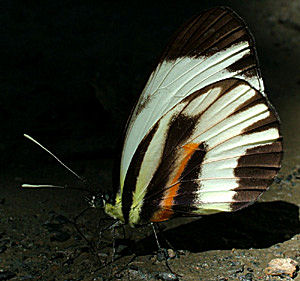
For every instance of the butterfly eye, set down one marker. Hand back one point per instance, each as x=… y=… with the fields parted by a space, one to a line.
x=96 y=201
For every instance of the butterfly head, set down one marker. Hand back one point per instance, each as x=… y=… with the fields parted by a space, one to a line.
x=111 y=206
x=98 y=200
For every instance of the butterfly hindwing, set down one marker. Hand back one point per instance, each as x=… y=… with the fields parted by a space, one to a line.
x=217 y=150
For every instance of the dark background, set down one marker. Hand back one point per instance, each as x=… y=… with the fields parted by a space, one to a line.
x=57 y=53
x=72 y=71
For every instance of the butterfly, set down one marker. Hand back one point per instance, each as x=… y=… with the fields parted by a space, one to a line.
x=203 y=137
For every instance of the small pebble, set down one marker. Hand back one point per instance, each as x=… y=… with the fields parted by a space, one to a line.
x=165 y=276
x=102 y=255
x=277 y=179
x=240 y=270
x=67 y=263
x=281 y=267
x=171 y=253
x=247 y=277
x=57 y=255
x=182 y=252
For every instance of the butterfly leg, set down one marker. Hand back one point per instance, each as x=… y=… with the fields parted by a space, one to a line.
x=161 y=233
x=100 y=229
x=74 y=223
x=112 y=227
x=92 y=245
x=113 y=243
x=161 y=250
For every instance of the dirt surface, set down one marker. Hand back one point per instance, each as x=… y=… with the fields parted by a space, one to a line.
x=38 y=240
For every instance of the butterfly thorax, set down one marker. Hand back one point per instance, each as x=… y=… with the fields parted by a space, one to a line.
x=115 y=210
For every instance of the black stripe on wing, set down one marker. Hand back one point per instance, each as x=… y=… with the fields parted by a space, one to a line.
x=180 y=129
x=210 y=32
x=183 y=201
x=133 y=172
x=255 y=170
x=213 y=31
x=156 y=188
x=264 y=166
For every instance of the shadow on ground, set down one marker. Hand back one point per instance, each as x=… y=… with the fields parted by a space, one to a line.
x=259 y=226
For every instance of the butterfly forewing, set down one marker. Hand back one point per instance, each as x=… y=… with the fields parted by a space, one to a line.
x=211 y=47
x=203 y=137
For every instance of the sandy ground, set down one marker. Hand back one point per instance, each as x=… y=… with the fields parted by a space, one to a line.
x=38 y=242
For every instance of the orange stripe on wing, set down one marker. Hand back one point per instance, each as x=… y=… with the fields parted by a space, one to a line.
x=166 y=204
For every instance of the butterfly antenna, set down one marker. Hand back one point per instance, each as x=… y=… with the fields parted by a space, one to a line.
x=26 y=185
x=57 y=159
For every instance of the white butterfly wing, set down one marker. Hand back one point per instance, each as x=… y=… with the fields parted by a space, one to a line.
x=221 y=150
x=203 y=137
x=213 y=46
